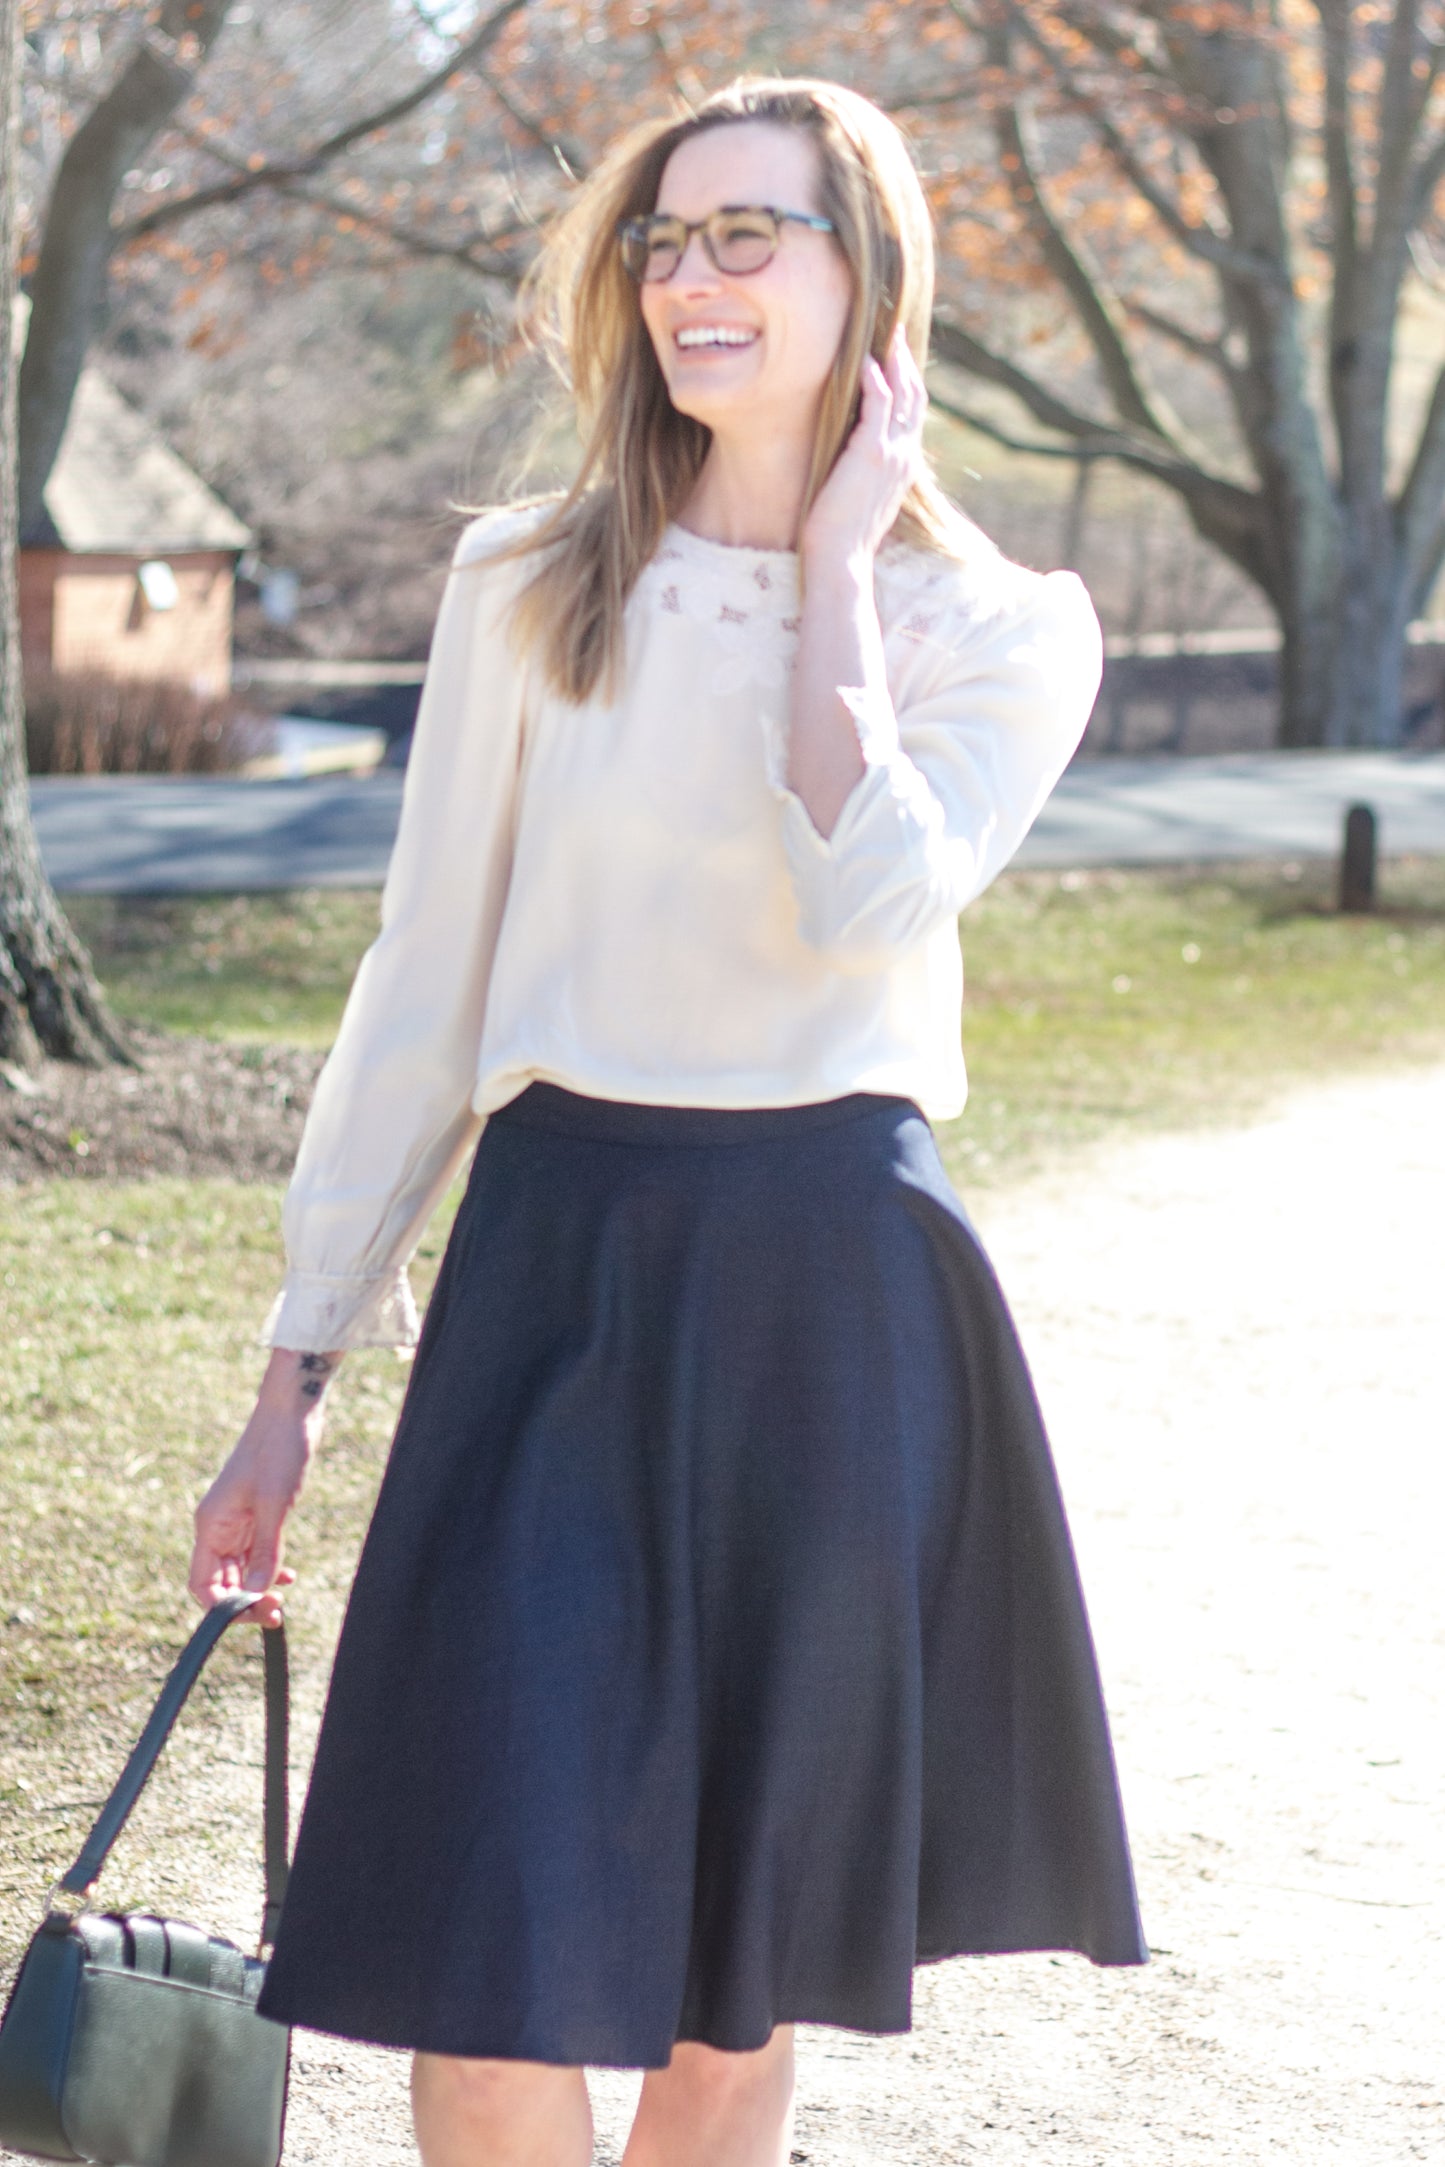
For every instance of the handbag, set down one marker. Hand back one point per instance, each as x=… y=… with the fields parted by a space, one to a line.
x=135 y=2040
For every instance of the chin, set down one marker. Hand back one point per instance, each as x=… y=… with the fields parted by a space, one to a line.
x=693 y=400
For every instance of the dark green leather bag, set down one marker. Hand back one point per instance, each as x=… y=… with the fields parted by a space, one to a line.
x=135 y=2041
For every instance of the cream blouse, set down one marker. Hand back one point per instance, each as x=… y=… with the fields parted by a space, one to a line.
x=627 y=899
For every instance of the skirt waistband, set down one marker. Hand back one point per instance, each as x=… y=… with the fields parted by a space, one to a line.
x=570 y=1113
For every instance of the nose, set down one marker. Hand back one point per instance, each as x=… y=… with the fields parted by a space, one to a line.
x=694 y=267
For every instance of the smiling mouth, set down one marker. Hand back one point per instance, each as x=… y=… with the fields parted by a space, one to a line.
x=695 y=337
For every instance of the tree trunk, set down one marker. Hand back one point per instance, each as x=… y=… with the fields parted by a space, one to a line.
x=68 y=292
x=1308 y=637
x=1344 y=617
x=1373 y=615
x=49 y=1000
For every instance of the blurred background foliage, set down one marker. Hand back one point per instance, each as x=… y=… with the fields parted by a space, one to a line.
x=327 y=333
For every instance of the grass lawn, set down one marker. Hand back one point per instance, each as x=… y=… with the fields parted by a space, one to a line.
x=128 y=1312
x=1099 y=1003
x=1096 y=1002
x=249 y=967
x=128 y=1315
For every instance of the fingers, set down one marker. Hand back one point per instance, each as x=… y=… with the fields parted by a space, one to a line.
x=264 y=1569
x=238 y=1544
x=880 y=463
x=207 y=1584
x=877 y=394
x=907 y=388
x=260 y=1568
x=898 y=374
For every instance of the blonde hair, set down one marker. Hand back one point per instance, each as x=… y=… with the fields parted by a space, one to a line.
x=641 y=457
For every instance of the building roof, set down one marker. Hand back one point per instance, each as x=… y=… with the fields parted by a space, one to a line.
x=117 y=486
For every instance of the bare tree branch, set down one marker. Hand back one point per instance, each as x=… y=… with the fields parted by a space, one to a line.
x=1093 y=306
x=686 y=82
x=1367 y=300
x=955 y=345
x=1426 y=266
x=1417 y=508
x=1196 y=343
x=1211 y=247
x=1432 y=557
x=1030 y=448
x=1336 y=25
x=68 y=288
x=1412 y=67
x=1426 y=178
x=414 y=239
x=1338 y=144
x=925 y=101
x=277 y=173
x=567 y=154
x=1223 y=513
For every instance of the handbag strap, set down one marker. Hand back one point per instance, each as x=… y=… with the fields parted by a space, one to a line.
x=133 y=1777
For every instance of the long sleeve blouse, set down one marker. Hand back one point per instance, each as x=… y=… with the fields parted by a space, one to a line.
x=626 y=898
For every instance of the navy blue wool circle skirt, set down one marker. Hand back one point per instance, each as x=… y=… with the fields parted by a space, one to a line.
x=716 y=1652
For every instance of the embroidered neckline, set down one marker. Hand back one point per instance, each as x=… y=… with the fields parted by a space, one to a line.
x=758 y=570
x=723 y=552
x=747 y=598
x=756 y=579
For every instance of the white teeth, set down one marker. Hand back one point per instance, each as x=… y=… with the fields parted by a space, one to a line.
x=714 y=335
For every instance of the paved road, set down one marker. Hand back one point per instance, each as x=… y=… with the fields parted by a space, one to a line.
x=162 y=834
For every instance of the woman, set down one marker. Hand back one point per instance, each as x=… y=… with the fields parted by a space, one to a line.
x=716 y=1652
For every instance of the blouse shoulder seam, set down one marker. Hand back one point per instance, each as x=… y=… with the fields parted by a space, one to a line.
x=496 y=529
x=970 y=599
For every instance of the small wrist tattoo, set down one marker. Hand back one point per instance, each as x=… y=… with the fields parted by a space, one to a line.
x=315 y=1374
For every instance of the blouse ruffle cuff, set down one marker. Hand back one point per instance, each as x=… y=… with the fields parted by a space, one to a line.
x=317 y=1314
x=811 y=854
x=874 y=723
x=860 y=888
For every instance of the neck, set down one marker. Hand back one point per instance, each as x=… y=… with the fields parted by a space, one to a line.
x=750 y=495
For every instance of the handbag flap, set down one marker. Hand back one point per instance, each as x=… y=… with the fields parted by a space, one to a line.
x=169 y=1949
x=165 y=2074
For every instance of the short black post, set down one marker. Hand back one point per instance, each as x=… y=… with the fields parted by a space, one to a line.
x=1357 y=864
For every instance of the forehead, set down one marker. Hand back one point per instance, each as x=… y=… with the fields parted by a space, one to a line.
x=745 y=161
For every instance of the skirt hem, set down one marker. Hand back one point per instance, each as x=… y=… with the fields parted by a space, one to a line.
x=807 y=2010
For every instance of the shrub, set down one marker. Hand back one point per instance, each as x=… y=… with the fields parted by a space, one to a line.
x=89 y=723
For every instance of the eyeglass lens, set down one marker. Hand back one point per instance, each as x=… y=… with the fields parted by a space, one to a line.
x=737 y=242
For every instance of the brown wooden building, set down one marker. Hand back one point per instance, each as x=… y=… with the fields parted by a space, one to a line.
x=133 y=572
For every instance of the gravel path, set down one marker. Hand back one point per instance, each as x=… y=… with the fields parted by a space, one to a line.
x=1238 y=1341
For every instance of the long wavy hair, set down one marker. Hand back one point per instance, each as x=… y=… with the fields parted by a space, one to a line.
x=641 y=457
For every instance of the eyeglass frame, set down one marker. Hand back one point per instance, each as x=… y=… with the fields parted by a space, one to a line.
x=641 y=220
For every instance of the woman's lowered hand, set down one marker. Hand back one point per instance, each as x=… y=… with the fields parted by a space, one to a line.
x=240 y=1519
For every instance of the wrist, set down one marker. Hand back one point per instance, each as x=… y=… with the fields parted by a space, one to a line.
x=296 y=1380
x=830 y=563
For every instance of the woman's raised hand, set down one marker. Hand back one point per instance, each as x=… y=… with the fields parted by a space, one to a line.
x=858 y=503
x=240 y=1519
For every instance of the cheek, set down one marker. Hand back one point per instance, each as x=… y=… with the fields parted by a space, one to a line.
x=812 y=320
x=646 y=306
